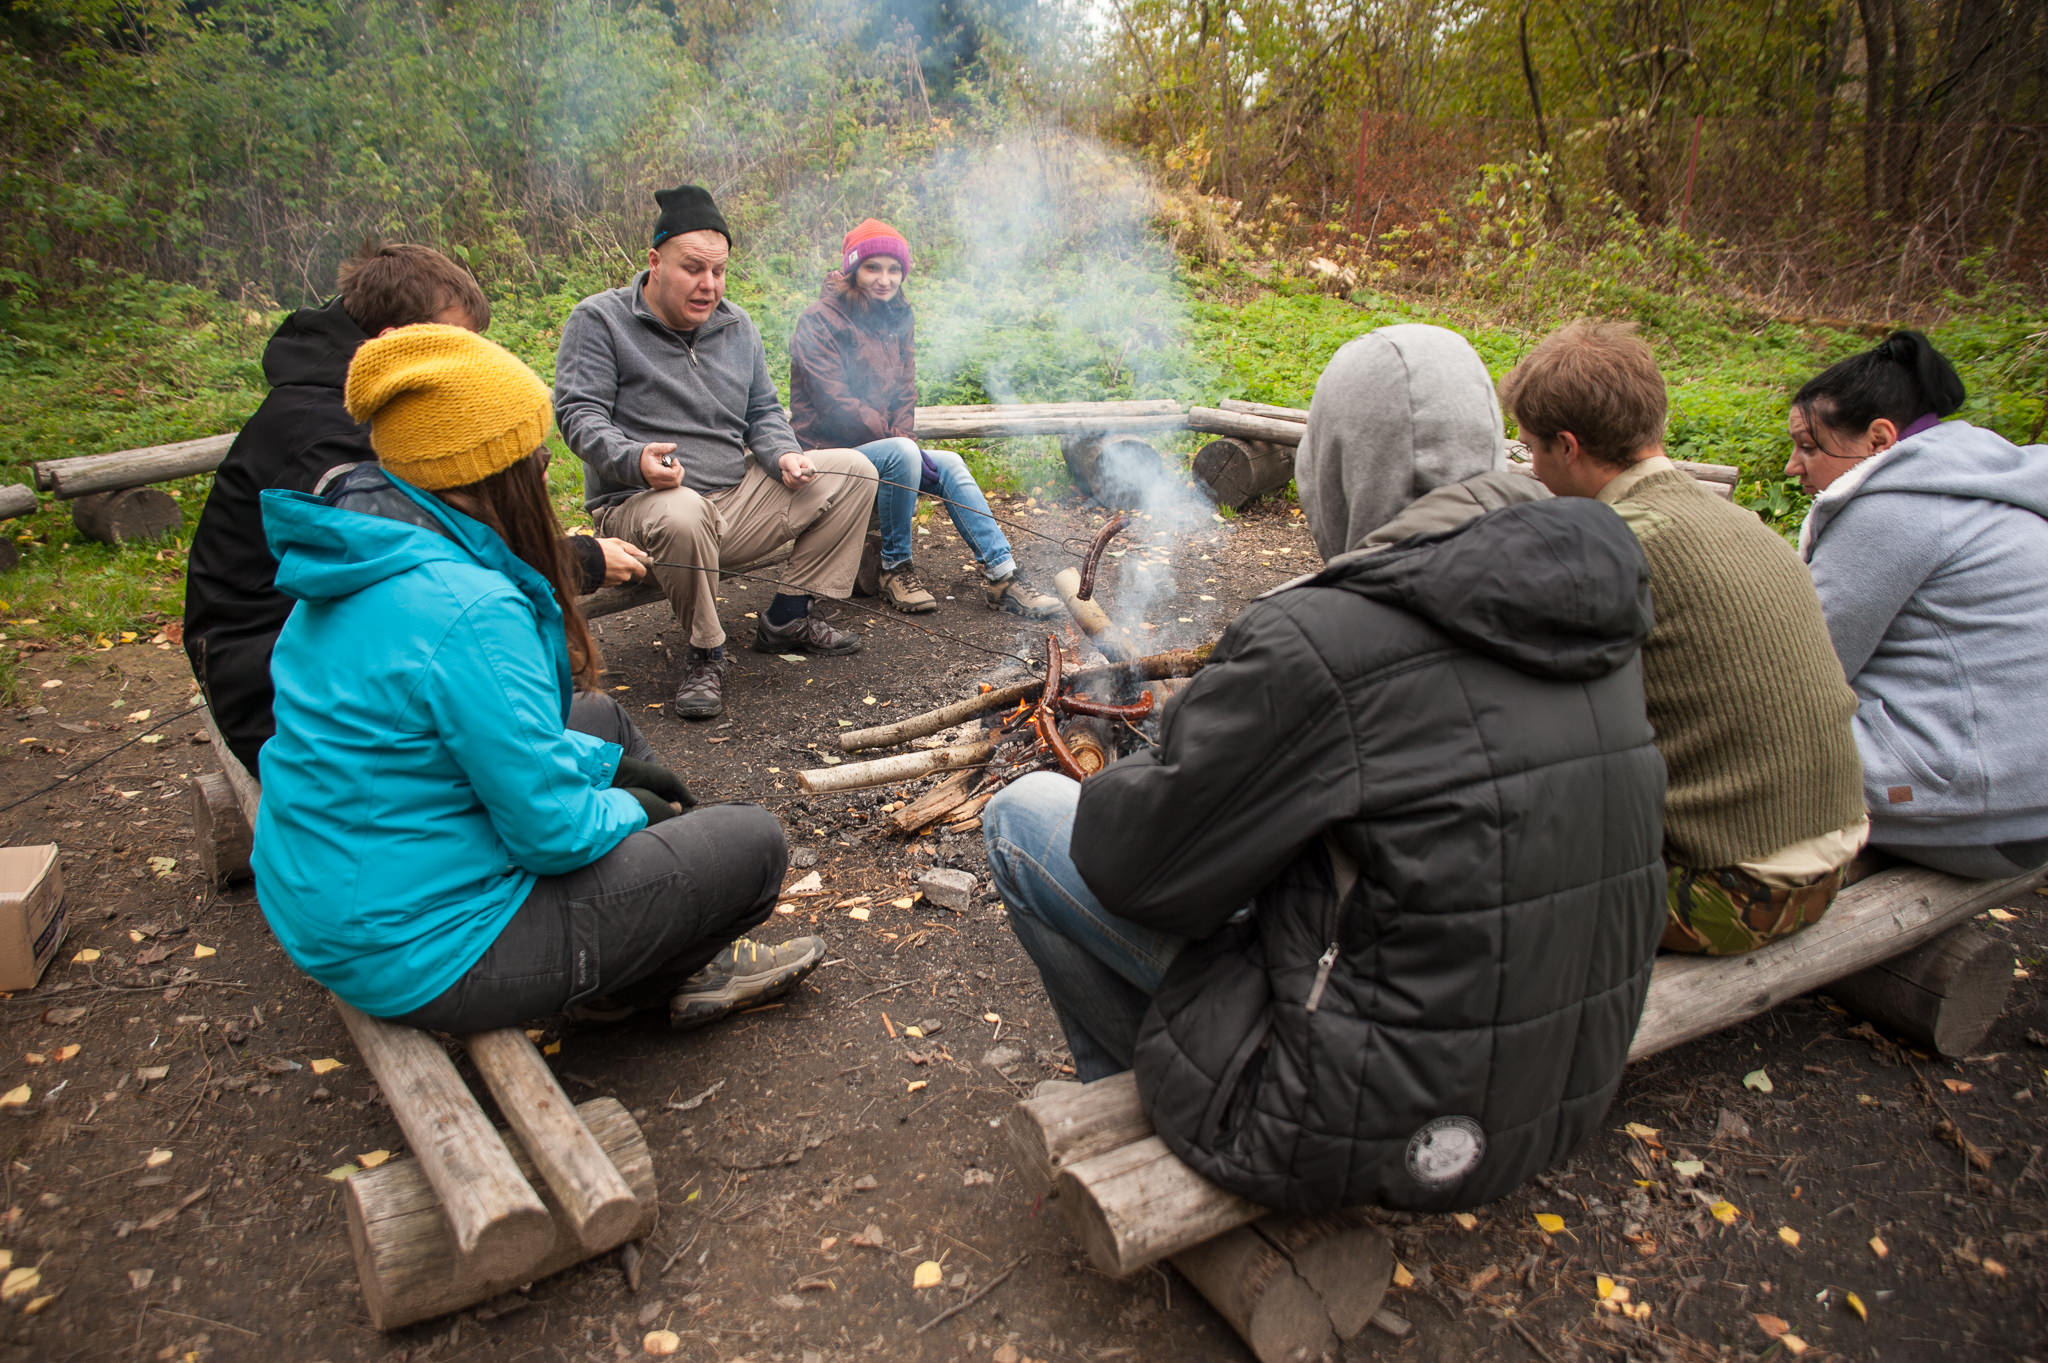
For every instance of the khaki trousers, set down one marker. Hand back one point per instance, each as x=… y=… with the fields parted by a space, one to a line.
x=744 y=523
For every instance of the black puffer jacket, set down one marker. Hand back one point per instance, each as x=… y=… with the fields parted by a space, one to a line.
x=1462 y=716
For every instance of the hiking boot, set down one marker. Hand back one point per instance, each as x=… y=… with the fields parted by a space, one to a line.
x=902 y=591
x=599 y=1011
x=805 y=634
x=702 y=694
x=1016 y=595
x=744 y=974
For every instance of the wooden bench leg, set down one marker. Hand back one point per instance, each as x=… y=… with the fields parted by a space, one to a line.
x=1293 y=1286
x=406 y=1255
x=1943 y=996
x=224 y=836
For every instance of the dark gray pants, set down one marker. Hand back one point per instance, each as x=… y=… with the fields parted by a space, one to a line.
x=631 y=926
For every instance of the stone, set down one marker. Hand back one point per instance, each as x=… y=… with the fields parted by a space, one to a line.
x=948 y=888
x=803 y=858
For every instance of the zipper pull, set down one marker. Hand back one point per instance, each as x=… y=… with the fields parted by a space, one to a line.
x=1323 y=964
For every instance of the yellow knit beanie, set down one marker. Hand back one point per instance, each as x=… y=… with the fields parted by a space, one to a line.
x=446 y=407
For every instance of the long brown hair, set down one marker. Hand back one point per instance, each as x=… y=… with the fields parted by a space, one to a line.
x=514 y=502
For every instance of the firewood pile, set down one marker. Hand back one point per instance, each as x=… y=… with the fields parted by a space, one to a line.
x=1077 y=718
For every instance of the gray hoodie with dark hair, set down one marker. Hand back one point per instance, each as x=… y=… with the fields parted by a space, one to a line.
x=1931 y=560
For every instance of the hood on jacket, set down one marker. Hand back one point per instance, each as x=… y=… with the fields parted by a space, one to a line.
x=368 y=526
x=1396 y=413
x=1555 y=588
x=1953 y=459
x=313 y=346
x=839 y=295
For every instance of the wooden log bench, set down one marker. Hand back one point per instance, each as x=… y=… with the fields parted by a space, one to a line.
x=469 y=1214
x=1131 y=1202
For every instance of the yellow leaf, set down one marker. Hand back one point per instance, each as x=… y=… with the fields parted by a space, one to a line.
x=1402 y=1277
x=991 y=1017
x=1771 y=1325
x=342 y=1171
x=913 y=1085
x=660 y=1343
x=1724 y=1211
x=2003 y=915
x=1789 y=1236
x=35 y=1308
x=1550 y=1223
x=858 y=915
x=370 y=1159
x=15 y=1097
x=904 y=902
x=138 y=716
x=327 y=1066
x=1688 y=1168
x=1856 y=1305
x=913 y=1031
x=1794 y=1345
x=552 y=1048
x=1879 y=1247
x=64 y=1053
x=1465 y=1220
x=1641 y=1132
x=1604 y=1286
x=928 y=1274
x=534 y=1034
x=135 y=936
x=19 y=1282
x=87 y=956
x=1994 y=1268
x=157 y=1158
x=35 y=1058
x=200 y=953
x=1760 y=1080
x=1957 y=1085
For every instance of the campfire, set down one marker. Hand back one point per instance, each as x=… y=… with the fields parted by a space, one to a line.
x=1076 y=719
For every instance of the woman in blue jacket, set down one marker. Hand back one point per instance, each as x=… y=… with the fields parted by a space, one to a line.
x=1927 y=541
x=435 y=843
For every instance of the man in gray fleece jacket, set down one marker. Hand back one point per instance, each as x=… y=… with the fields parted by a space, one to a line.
x=662 y=389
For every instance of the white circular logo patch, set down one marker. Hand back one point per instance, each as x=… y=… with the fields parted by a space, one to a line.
x=1445 y=1150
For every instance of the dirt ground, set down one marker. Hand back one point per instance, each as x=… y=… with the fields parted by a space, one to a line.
x=168 y=1179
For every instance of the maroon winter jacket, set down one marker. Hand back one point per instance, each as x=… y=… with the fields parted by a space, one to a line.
x=852 y=369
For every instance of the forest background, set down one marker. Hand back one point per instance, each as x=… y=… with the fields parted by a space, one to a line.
x=1193 y=199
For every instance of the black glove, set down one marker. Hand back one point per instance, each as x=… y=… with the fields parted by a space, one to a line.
x=656 y=807
x=636 y=775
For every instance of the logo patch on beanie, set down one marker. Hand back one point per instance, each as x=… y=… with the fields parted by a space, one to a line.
x=853 y=258
x=1445 y=1150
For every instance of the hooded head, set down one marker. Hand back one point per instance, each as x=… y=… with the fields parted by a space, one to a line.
x=1397 y=413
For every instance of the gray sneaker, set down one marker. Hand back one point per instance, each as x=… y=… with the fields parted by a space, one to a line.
x=805 y=634
x=702 y=694
x=744 y=974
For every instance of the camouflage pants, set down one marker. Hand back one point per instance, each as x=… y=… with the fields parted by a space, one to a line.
x=1726 y=912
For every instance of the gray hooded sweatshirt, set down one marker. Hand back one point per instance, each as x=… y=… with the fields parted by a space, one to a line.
x=625 y=379
x=1931 y=561
x=1397 y=413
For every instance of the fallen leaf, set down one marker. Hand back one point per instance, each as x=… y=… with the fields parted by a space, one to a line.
x=660 y=1343
x=1402 y=1277
x=813 y=883
x=19 y=1282
x=1879 y=1247
x=149 y=1074
x=1794 y=1345
x=552 y=1048
x=928 y=1274
x=157 y=1158
x=15 y=1097
x=1641 y=1132
x=87 y=956
x=2003 y=915
x=1465 y=1220
x=342 y=1171
x=904 y=902
x=1856 y=1305
x=914 y=1031
x=1760 y=1080
x=1603 y=1286
x=200 y=953
x=1771 y=1325
x=35 y=1058
x=1957 y=1085
x=1725 y=1212
x=138 y=716
x=1688 y=1168
x=991 y=1017
x=1789 y=1236
x=63 y=1017
x=137 y=936
x=163 y=866
x=327 y=1066
x=1550 y=1223
x=857 y=915
x=372 y=1158
x=913 y=1085
x=1483 y=1279
x=871 y=1237
x=1994 y=1268
x=139 y=1278
x=63 y=1053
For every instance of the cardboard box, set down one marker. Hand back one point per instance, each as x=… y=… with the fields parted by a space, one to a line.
x=31 y=913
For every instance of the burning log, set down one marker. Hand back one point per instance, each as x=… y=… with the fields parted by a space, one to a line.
x=1239 y=472
x=1179 y=662
x=902 y=767
x=1116 y=646
x=935 y=804
x=1092 y=560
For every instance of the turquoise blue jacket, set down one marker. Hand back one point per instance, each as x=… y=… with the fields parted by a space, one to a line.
x=422 y=776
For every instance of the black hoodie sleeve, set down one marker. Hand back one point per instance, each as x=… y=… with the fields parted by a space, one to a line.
x=1254 y=760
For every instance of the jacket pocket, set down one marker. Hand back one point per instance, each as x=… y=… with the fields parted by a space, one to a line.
x=1888 y=754
x=1236 y=1091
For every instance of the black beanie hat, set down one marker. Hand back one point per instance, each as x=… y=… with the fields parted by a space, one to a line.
x=688 y=208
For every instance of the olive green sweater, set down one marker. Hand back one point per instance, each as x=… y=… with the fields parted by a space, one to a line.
x=1745 y=693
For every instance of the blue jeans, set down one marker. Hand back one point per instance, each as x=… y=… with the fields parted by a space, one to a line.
x=1100 y=971
x=896 y=461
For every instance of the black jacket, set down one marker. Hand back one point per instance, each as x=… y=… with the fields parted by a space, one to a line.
x=233 y=609
x=1462 y=716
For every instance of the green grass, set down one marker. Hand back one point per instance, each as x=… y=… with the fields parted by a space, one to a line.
x=124 y=362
